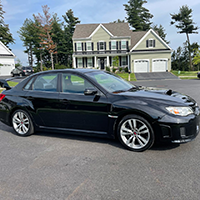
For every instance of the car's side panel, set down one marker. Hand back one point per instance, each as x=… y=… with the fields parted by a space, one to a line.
x=45 y=107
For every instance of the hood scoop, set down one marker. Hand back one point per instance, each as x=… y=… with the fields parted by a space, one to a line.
x=169 y=92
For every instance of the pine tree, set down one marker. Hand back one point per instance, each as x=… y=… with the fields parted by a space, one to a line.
x=138 y=16
x=5 y=35
x=186 y=25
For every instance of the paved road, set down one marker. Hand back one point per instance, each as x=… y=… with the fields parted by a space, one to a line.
x=49 y=166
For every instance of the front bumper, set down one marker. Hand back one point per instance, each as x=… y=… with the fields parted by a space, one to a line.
x=177 y=129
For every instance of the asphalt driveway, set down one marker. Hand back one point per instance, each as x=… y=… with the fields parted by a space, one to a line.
x=50 y=166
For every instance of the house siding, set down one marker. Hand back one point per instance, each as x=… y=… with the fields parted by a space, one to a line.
x=158 y=43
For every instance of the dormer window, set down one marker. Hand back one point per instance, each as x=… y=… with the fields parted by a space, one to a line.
x=150 y=43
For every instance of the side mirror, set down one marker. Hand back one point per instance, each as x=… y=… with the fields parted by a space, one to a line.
x=90 y=91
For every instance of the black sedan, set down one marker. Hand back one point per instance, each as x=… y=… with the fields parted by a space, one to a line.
x=94 y=102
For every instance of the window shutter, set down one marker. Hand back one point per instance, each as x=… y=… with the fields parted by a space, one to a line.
x=85 y=46
x=120 y=61
x=110 y=59
x=97 y=45
x=117 y=45
x=86 y=62
x=110 y=45
x=154 y=43
x=120 y=45
x=82 y=46
x=92 y=46
x=105 y=45
x=127 y=45
x=83 y=61
x=75 y=47
x=147 y=43
x=76 y=63
x=93 y=61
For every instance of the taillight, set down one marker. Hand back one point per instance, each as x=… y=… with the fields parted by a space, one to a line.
x=2 y=96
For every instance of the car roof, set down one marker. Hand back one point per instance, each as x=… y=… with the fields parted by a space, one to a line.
x=80 y=70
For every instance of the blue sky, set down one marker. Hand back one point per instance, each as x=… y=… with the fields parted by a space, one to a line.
x=95 y=11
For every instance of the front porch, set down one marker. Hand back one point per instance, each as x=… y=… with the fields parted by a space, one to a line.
x=100 y=62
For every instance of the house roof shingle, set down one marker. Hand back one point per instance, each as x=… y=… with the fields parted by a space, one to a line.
x=116 y=29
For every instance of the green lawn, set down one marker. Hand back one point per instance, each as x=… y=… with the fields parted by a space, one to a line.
x=10 y=83
x=125 y=76
x=185 y=74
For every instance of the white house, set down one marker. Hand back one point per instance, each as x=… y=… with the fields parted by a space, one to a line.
x=7 y=62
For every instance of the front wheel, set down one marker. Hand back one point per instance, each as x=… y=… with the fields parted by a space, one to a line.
x=135 y=133
x=22 y=123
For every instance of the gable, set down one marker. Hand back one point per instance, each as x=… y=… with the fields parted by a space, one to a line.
x=4 y=50
x=100 y=34
x=159 y=43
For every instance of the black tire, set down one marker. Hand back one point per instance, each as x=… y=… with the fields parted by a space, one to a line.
x=135 y=133
x=22 y=123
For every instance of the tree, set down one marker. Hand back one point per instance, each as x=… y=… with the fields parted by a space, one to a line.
x=28 y=33
x=45 y=35
x=196 y=59
x=69 y=29
x=186 y=25
x=5 y=35
x=138 y=16
x=119 y=21
x=161 y=32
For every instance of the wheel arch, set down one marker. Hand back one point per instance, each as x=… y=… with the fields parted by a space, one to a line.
x=133 y=112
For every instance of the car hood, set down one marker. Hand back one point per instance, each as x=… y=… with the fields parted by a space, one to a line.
x=167 y=96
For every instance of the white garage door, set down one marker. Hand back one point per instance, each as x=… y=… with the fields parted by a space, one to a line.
x=141 y=66
x=5 y=70
x=159 y=65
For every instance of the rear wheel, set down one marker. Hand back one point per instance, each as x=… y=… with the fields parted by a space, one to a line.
x=135 y=133
x=22 y=123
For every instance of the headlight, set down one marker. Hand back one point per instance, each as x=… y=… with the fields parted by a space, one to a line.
x=181 y=111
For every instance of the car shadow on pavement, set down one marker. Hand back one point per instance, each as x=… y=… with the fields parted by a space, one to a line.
x=164 y=147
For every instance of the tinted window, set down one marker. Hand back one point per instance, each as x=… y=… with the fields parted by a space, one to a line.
x=27 y=87
x=110 y=82
x=46 y=82
x=74 y=84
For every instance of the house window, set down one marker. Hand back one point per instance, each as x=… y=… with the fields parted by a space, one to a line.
x=123 y=60
x=101 y=46
x=80 y=62
x=89 y=62
x=79 y=46
x=89 y=46
x=113 y=45
x=123 y=45
x=150 y=43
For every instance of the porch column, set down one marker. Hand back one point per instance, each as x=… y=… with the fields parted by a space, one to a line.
x=129 y=68
x=95 y=62
x=108 y=63
x=74 y=62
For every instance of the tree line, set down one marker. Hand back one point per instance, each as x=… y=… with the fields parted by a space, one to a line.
x=48 y=39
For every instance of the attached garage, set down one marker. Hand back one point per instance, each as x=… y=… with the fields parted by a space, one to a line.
x=159 y=65
x=141 y=66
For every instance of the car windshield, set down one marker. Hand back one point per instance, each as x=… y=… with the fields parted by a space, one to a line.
x=110 y=82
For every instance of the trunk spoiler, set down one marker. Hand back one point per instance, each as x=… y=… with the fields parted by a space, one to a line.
x=4 y=84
